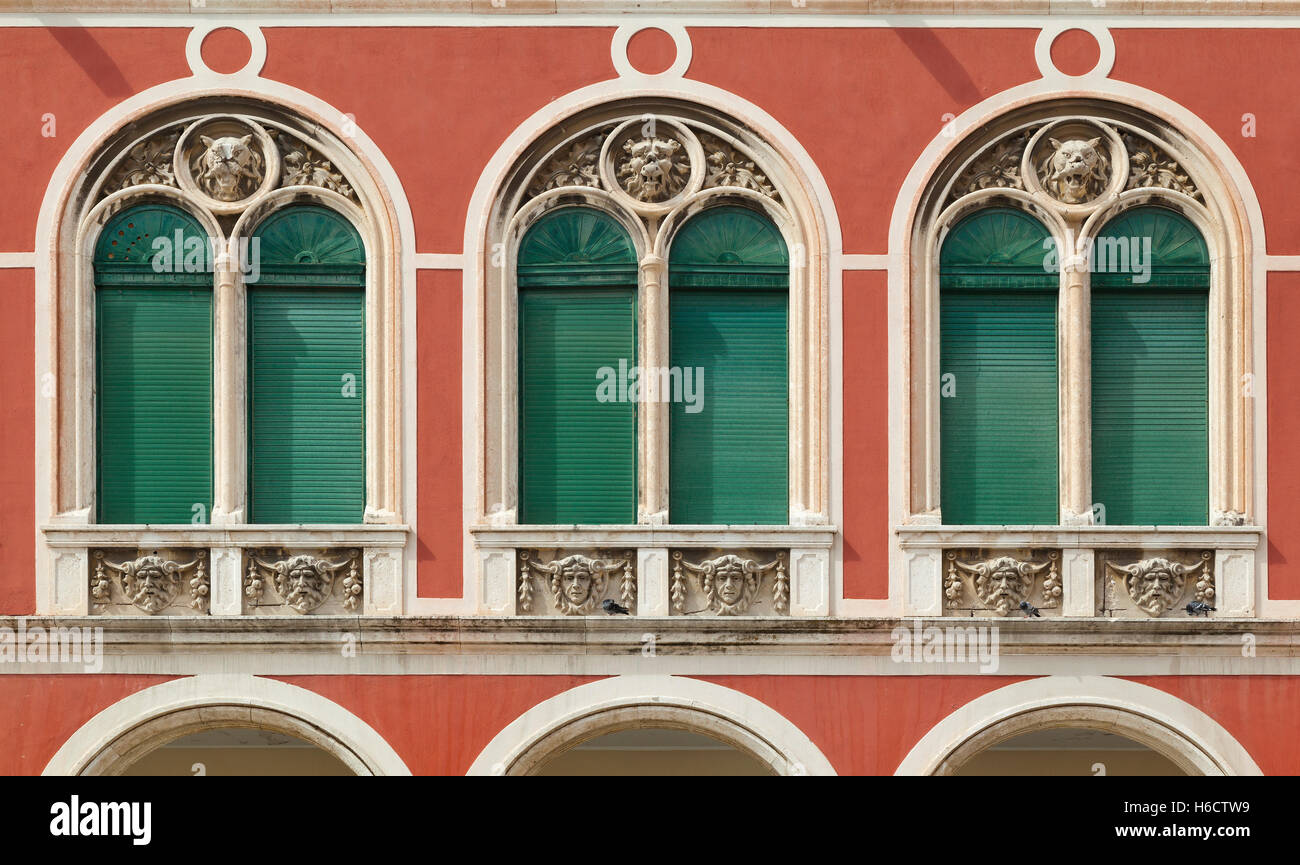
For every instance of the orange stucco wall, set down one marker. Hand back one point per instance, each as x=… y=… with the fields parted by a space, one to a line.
x=439 y=101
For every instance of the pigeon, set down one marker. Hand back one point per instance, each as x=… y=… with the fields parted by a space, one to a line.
x=1030 y=610
x=1199 y=608
x=614 y=608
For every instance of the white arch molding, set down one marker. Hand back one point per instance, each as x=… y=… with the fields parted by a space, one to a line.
x=629 y=702
x=910 y=593
x=117 y=737
x=485 y=568
x=1176 y=729
x=389 y=235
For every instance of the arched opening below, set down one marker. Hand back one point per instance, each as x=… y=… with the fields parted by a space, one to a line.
x=653 y=751
x=1064 y=751
x=240 y=751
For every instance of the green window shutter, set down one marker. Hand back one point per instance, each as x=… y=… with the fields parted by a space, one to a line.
x=577 y=274
x=153 y=352
x=306 y=371
x=729 y=447
x=1150 y=371
x=998 y=385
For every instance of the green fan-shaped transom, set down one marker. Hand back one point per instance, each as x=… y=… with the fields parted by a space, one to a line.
x=576 y=246
x=1150 y=246
x=1000 y=247
x=309 y=244
x=729 y=246
x=153 y=244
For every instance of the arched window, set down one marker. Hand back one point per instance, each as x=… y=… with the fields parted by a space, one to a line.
x=998 y=371
x=1150 y=370
x=729 y=277
x=577 y=277
x=306 y=370
x=153 y=353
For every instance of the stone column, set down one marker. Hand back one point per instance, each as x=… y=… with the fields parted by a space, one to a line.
x=1075 y=361
x=653 y=354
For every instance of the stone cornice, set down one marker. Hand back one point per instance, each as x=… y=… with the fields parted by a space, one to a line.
x=748 y=8
x=672 y=635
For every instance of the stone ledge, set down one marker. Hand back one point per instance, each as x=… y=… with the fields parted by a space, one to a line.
x=674 y=635
x=542 y=8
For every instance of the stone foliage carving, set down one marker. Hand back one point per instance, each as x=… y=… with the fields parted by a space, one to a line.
x=576 y=165
x=577 y=583
x=1156 y=585
x=148 y=162
x=1002 y=583
x=302 y=165
x=728 y=166
x=999 y=167
x=150 y=583
x=730 y=583
x=305 y=582
x=227 y=160
x=1150 y=165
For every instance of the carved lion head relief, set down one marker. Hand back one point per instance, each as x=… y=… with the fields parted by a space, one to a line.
x=228 y=168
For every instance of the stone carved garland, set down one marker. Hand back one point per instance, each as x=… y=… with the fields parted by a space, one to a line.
x=304 y=582
x=730 y=583
x=1074 y=167
x=1157 y=584
x=226 y=159
x=1003 y=582
x=150 y=583
x=577 y=583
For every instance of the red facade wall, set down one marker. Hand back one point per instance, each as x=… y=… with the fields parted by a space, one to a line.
x=865 y=725
x=439 y=102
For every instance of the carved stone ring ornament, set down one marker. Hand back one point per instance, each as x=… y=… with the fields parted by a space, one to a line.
x=730 y=583
x=305 y=582
x=151 y=582
x=225 y=161
x=1074 y=162
x=1003 y=582
x=651 y=164
x=1157 y=584
x=577 y=582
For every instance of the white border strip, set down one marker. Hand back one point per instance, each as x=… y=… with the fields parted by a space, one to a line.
x=17 y=259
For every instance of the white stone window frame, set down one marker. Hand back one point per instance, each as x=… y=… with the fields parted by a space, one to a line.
x=67 y=533
x=810 y=534
x=1231 y=344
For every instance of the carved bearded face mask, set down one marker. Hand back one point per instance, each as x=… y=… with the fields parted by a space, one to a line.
x=153 y=586
x=1003 y=588
x=304 y=587
x=1156 y=590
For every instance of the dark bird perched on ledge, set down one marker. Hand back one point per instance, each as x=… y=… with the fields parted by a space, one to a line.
x=1030 y=610
x=614 y=608
x=1197 y=608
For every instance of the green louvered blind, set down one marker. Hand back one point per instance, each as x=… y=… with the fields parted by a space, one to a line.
x=998 y=376
x=729 y=440
x=577 y=274
x=153 y=353
x=1150 y=370
x=306 y=370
